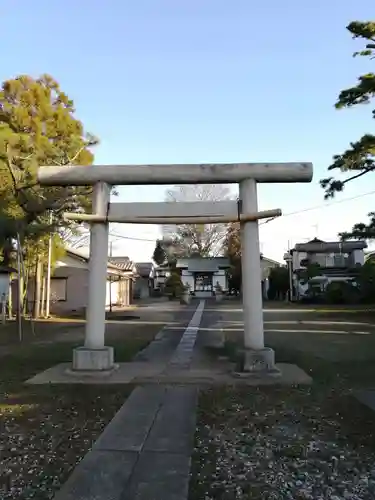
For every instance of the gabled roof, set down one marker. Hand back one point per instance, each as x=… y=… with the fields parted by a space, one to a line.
x=144 y=269
x=320 y=246
x=77 y=254
x=123 y=263
x=270 y=261
x=84 y=257
x=163 y=266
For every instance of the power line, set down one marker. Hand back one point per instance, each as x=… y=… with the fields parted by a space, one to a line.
x=296 y=212
x=132 y=238
x=322 y=205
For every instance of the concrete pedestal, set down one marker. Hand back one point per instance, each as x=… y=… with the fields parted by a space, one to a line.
x=93 y=360
x=185 y=298
x=259 y=362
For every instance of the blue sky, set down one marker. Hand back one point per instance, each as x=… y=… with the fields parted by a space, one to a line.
x=178 y=81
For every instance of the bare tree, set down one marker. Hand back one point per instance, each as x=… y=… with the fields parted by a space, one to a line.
x=205 y=239
x=75 y=237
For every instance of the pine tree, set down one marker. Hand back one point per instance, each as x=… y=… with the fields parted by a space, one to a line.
x=159 y=255
x=359 y=158
x=38 y=127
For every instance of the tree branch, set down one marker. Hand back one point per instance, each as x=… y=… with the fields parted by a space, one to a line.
x=361 y=154
x=360 y=157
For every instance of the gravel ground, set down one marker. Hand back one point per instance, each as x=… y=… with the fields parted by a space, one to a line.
x=311 y=443
x=46 y=430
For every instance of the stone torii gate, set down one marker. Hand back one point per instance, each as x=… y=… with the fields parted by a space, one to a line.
x=94 y=356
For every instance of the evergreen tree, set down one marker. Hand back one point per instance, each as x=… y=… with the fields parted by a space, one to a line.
x=38 y=127
x=159 y=255
x=359 y=158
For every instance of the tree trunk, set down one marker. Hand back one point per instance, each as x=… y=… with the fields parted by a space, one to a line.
x=37 y=289
x=10 y=300
x=42 y=310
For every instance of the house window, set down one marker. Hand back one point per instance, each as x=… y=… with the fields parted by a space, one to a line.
x=339 y=259
x=58 y=289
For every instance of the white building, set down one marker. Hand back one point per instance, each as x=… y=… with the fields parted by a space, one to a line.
x=337 y=260
x=203 y=274
x=162 y=273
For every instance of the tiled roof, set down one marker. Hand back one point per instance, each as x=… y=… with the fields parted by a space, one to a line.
x=144 y=268
x=330 y=246
x=119 y=263
x=123 y=263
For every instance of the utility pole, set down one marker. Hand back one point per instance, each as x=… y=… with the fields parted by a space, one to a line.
x=110 y=279
x=49 y=265
x=290 y=272
x=37 y=288
x=20 y=289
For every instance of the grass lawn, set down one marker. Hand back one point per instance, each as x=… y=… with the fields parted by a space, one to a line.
x=46 y=430
x=313 y=442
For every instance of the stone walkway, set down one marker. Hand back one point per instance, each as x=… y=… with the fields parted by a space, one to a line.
x=144 y=453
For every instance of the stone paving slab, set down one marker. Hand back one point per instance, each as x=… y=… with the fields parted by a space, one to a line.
x=102 y=475
x=183 y=354
x=144 y=463
x=174 y=426
x=166 y=341
x=159 y=476
x=131 y=425
x=162 y=347
x=366 y=397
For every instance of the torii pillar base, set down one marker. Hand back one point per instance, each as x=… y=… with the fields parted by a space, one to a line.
x=258 y=363
x=93 y=360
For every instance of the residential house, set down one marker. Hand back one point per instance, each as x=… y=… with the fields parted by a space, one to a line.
x=337 y=260
x=5 y=285
x=69 y=284
x=144 y=283
x=162 y=272
x=124 y=263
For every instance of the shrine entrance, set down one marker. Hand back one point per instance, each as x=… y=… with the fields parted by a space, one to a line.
x=94 y=355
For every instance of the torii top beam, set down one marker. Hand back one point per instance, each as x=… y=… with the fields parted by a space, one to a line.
x=209 y=173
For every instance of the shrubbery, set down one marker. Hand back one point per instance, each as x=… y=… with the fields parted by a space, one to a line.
x=173 y=286
x=359 y=290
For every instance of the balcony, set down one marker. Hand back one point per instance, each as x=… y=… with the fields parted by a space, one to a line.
x=332 y=261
